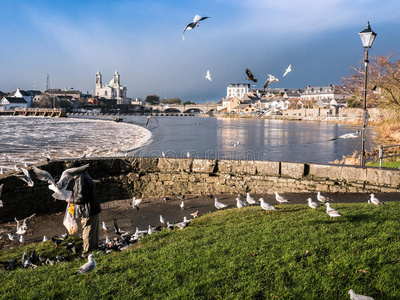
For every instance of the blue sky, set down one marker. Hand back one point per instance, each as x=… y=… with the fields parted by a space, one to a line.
x=72 y=40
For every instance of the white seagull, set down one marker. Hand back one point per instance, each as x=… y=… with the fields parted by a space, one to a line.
x=105 y=227
x=148 y=120
x=312 y=204
x=25 y=177
x=266 y=206
x=208 y=76
x=269 y=80
x=250 y=200
x=59 y=188
x=332 y=212
x=240 y=204
x=322 y=198
x=280 y=199
x=182 y=205
x=375 y=200
x=1 y=188
x=193 y=24
x=12 y=237
x=354 y=296
x=162 y=220
x=87 y=267
x=352 y=135
x=135 y=203
x=289 y=69
x=219 y=205
x=45 y=239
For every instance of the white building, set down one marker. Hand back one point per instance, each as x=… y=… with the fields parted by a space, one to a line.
x=7 y=103
x=321 y=93
x=113 y=90
x=22 y=94
x=237 y=90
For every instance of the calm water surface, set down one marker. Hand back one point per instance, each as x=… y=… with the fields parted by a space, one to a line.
x=260 y=139
x=28 y=139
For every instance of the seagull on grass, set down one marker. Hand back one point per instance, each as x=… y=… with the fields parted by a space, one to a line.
x=289 y=69
x=219 y=205
x=354 y=296
x=192 y=25
x=280 y=199
x=266 y=206
x=322 y=198
x=333 y=213
x=375 y=200
x=250 y=200
x=87 y=267
x=240 y=204
x=312 y=204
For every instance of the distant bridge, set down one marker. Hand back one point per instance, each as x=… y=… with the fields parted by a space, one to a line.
x=186 y=109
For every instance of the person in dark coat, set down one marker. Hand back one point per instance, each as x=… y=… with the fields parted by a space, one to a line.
x=87 y=208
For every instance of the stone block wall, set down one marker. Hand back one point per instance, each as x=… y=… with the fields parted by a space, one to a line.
x=121 y=178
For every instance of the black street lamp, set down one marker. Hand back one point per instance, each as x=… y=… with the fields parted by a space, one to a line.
x=367 y=38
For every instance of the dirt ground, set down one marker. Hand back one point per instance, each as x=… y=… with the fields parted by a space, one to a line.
x=150 y=210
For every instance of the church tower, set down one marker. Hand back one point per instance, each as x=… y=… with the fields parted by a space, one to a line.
x=98 y=80
x=116 y=85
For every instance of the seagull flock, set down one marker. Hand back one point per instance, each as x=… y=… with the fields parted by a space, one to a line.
x=196 y=22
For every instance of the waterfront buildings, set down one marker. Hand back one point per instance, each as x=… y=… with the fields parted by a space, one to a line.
x=112 y=90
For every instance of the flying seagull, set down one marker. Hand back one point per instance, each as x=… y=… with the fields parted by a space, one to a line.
x=193 y=24
x=271 y=78
x=59 y=188
x=289 y=69
x=208 y=76
x=250 y=76
x=148 y=120
x=352 y=135
x=25 y=177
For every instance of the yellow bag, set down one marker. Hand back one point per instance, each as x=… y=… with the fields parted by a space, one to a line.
x=71 y=208
x=69 y=220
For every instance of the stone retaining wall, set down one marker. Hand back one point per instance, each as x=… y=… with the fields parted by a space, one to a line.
x=123 y=178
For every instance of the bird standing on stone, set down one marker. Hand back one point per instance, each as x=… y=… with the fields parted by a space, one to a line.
x=250 y=200
x=250 y=76
x=280 y=199
x=312 y=204
x=266 y=206
x=192 y=25
x=87 y=267
x=219 y=205
x=333 y=213
x=375 y=200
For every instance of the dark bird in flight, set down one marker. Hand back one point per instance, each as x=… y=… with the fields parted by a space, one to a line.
x=250 y=76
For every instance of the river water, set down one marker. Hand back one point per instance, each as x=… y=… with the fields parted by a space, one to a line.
x=29 y=139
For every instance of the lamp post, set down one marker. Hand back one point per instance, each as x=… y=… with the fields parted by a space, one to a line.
x=367 y=38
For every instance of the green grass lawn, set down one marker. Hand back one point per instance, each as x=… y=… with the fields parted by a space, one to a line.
x=388 y=164
x=292 y=253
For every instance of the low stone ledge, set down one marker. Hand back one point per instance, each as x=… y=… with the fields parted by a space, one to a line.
x=203 y=165
x=168 y=165
x=267 y=167
x=325 y=171
x=354 y=174
x=294 y=170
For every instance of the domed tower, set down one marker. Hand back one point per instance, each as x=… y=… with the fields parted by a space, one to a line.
x=116 y=85
x=98 y=80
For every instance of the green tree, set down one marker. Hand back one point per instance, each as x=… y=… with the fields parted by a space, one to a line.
x=171 y=101
x=188 y=102
x=153 y=99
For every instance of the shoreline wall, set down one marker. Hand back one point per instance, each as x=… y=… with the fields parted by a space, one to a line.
x=121 y=178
